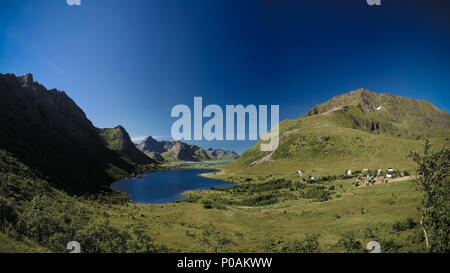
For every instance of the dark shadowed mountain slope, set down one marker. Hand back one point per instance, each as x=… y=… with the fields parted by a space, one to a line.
x=48 y=132
x=117 y=139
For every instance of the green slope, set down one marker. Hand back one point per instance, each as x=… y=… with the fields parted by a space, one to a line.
x=10 y=245
x=117 y=139
x=348 y=132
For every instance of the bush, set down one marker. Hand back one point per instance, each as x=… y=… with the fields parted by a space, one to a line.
x=318 y=194
x=309 y=245
x=45 y=219
x=258 y=187
x=389 y=246
x=260 y=200
x=139 y=242
x=8 y=215
x=349 y=243
x=207 y=206
x=402 y=226
x=100 y=237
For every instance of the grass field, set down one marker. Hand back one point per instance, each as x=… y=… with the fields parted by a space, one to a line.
x=262 y=213
x=368 y=211
x=9 y=245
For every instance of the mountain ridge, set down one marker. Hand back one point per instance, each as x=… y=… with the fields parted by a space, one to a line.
x=358 y=129
x=118 y=139
x=47 y=131
x=180 y=151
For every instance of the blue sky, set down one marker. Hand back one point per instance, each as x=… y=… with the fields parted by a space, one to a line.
x=129 y=62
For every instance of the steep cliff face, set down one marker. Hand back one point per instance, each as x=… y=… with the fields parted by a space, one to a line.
x=47 y=131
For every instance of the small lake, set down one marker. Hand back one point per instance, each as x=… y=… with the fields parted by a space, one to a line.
x=167 y=186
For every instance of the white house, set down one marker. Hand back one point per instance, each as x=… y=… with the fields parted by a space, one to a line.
x=378 y=171
x=389 y=175
x=349 y=172
x=391 y=170
x=378 y=108
x=301 y=172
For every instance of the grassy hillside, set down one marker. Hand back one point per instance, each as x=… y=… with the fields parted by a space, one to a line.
x=117 y=139
x=37 y=217
x=263 y=213
x=348 y=132
x=10 y=245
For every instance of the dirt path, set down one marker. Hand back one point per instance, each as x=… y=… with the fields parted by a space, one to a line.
x=398 y=179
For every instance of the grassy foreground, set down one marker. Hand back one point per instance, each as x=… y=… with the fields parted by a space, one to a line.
x=262 y=213
x=204 y=223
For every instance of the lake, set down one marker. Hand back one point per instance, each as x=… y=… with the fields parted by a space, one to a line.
x=167 y=186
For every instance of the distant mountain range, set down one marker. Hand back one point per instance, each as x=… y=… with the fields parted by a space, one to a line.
x=361 y=129
x=180 y=151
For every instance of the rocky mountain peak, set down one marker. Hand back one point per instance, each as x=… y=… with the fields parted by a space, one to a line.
x=26 y=80
x=180 y=151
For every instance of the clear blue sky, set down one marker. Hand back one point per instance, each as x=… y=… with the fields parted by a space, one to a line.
x=129 y=62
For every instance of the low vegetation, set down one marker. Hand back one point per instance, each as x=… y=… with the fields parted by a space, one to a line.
x=32 y=209
x=271 y=213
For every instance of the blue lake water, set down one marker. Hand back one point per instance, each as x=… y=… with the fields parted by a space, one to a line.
x=167 y=186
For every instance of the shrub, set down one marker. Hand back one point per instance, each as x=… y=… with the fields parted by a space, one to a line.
x=207 y=206
x=46 y=218
x=318 y=194
x=139 y=242
x=100 y=237
x=8 y=214
x=309 y=245
x=389 y=246
x=349 y=243
x=402 y=226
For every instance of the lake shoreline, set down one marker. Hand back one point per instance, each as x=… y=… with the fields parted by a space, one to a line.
x=167 y=186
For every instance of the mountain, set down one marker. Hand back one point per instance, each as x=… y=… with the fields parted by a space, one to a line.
x=180 y=151
x=361 y=129
x=151 y=144
x=220 y=154
x=387 y=113
x=117 y=139
x=48 y=132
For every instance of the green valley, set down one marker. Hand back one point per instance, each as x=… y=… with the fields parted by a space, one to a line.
x=56 y=168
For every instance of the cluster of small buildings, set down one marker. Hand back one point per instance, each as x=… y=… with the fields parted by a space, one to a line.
x=366 y=177
x=370 y=179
